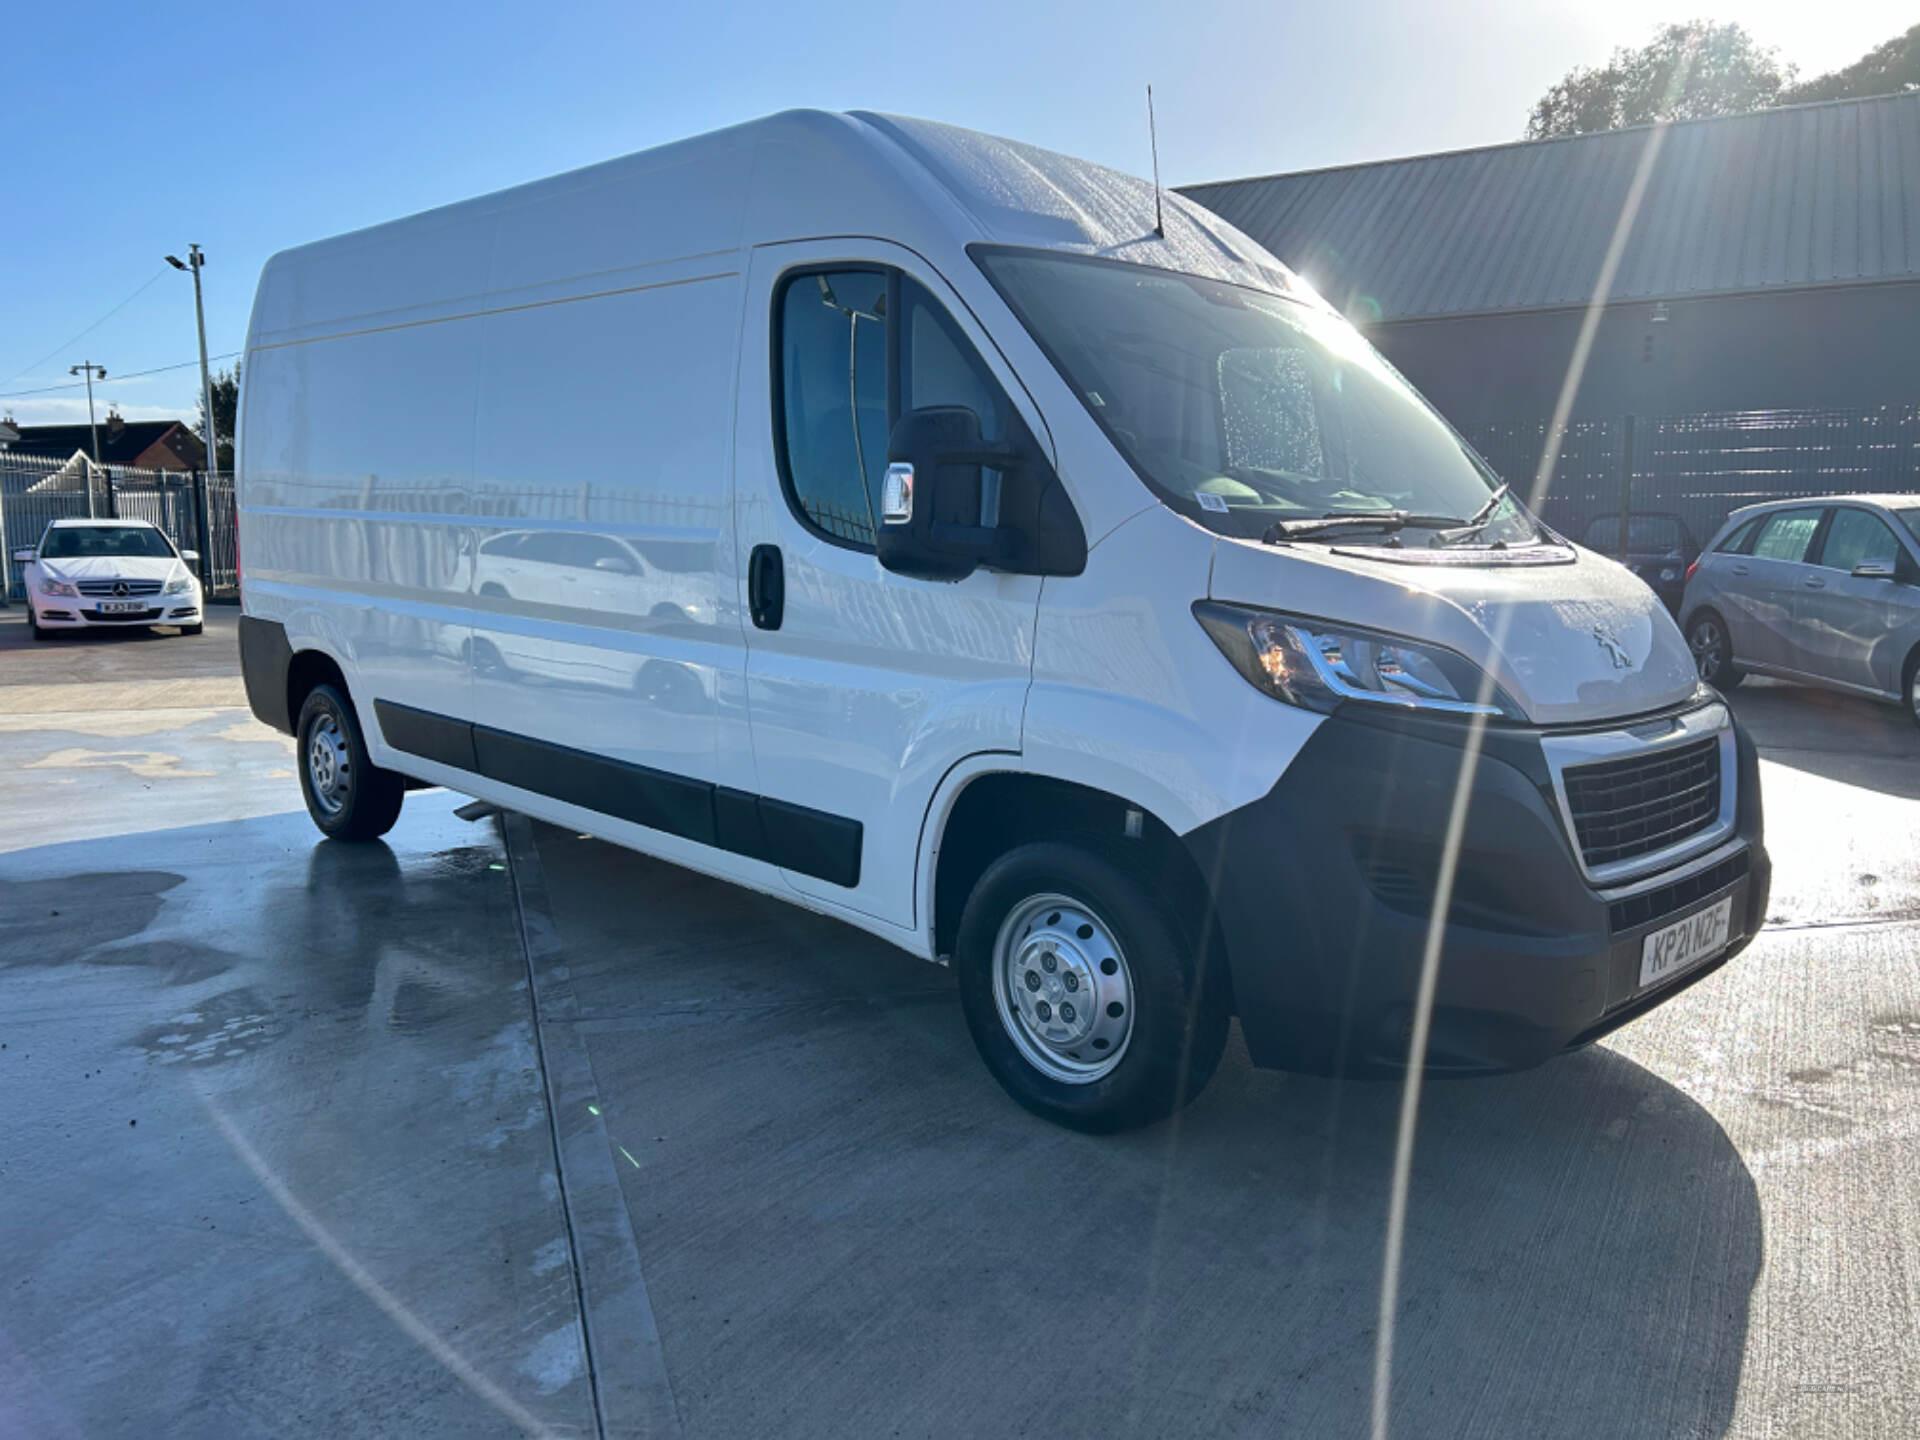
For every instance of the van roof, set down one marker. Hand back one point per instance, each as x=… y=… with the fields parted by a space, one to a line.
x=800 y=174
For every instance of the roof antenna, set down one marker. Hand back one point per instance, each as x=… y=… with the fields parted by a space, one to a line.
x=1153 y=139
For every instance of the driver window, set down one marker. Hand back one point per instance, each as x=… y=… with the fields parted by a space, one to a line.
x=846 y=376
x=1856 y=535
x=834 y=414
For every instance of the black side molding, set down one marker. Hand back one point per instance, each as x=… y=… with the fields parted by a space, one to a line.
x=794 y=837
x=423 y=733
x=657 y=799
x=265 y=658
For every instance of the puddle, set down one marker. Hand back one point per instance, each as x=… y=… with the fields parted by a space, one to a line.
x=59 y=921
x=228 y=1026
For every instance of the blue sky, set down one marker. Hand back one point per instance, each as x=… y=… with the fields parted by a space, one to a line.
x=128 y=130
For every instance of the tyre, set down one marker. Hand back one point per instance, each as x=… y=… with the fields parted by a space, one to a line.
x=348 y=797
x=1913 y=687
x=192 y=629
x=1712 y=651
x=33 y=623
x=1083 y=993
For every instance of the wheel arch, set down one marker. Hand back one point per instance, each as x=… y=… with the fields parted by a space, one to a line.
x=985 y=808
x=308 y=669
x=1705 y=607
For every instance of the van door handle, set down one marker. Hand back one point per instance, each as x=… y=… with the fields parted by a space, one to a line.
x=766 y=587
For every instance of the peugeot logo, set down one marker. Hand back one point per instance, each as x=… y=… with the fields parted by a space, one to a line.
x=119 y=587
x=1610 y=643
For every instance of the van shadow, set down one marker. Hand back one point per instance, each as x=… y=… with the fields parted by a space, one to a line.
x=1846 y=738
x=1582 y=1242
x=1581 y=1246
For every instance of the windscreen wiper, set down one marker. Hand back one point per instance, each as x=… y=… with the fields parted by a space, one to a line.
x=1482 y=517
x=1336 y=521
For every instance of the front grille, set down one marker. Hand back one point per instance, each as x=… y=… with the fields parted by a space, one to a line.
x=1626 y=808
x=1643 y=909
x=108 y=588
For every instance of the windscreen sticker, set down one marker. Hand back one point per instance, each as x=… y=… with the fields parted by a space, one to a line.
x=1209 y=501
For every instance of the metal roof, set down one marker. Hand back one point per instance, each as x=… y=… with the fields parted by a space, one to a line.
x=1805 y=195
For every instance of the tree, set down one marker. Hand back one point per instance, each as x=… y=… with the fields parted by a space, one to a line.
x=1686 y=72
x=226 y=407
x=1888 y=69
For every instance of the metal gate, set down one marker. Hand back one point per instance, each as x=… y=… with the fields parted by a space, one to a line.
x=194 y=509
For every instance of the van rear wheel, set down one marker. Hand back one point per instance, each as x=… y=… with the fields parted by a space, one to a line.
x=348 y=796
x=1083 y=994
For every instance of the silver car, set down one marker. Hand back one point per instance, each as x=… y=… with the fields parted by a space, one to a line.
x=1822 y=591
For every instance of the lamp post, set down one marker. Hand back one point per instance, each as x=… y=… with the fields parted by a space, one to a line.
x=91 y=370
x=195 y=259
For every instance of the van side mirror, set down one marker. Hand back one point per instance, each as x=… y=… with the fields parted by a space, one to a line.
x=1876 y=570
x=931 y=506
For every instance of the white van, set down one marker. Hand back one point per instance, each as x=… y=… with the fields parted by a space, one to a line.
x=892 y=519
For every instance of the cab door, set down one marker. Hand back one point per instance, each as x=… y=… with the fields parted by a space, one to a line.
x=863 y=687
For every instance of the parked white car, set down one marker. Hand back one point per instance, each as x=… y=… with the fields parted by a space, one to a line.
x=108 y=574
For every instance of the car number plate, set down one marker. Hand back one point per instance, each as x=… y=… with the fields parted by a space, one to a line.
x=121 y=607
x=1672 y=948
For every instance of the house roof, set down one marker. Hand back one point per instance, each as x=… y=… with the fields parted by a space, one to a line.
x=121 y=443
x=1805 y=195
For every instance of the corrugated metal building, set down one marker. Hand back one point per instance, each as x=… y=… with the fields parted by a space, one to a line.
x=1774 y=261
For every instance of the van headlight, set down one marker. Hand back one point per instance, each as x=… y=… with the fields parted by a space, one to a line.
x=1320 y=665
x=179 y=585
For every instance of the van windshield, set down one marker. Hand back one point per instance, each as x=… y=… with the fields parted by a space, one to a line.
x=1240 y=408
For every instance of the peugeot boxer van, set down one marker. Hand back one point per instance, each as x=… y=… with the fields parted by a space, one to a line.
x=973 y=545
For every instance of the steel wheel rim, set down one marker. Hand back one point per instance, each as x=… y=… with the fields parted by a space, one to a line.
x=1059 y=976
x=1706 y=649
x=329 y=765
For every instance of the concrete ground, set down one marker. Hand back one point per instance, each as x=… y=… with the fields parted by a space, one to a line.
x=498 y=1128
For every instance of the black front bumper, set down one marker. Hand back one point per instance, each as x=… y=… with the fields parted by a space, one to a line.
x=1322 y=889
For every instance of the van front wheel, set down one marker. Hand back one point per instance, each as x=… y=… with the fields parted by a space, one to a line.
x=1084 y=995
x=348 y=797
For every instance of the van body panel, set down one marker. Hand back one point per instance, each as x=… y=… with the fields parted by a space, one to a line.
x=357 y=471
x=1123 y=699
x=603 y=597
x=1570 y=643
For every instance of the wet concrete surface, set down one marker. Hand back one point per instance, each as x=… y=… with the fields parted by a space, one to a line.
x=275 y=1157
x=800 y=1206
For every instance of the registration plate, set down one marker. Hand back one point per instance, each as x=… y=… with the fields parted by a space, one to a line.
x=122 y=607
x=1672 y=948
